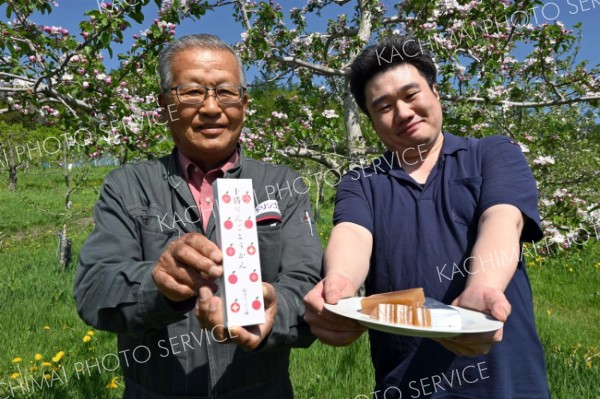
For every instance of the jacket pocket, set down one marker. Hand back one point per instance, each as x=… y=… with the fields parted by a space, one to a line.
x=156 y=228
x=464 y=196
x=270 y=248
x=154 y=243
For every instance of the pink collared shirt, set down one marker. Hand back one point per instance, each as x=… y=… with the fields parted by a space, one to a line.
x=200 y=182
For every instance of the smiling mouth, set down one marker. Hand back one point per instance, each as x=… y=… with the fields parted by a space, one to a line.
x=209 y=129
x=411 y=127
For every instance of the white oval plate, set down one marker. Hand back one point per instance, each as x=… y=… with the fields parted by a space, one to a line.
x=472 y=321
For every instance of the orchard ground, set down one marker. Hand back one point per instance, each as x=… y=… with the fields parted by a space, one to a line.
x=50 y=353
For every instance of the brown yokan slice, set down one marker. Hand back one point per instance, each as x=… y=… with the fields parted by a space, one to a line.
x=410 y=297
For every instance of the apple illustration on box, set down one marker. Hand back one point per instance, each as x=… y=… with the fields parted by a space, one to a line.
x=246 y=198
x=230 y=251
x=228 y=224
x=256 y=304
x=248 y=223
x=232 y=278
x=254 y=276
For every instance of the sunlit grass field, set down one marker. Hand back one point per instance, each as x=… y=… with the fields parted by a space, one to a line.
x=53 y=354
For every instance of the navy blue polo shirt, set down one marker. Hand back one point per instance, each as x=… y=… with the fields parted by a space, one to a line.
x=422 y=237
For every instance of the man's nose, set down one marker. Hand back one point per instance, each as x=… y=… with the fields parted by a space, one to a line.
x=210 y=103
x=403 y=111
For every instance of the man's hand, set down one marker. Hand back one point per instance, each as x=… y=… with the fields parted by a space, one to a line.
x=483 y=299
x=210 y=312
x=328 y=327
x=190 y=262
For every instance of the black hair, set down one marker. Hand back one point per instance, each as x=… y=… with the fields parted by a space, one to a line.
x=390 y=52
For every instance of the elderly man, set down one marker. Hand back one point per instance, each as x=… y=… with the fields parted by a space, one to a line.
x=440 y=212
x=148 y=271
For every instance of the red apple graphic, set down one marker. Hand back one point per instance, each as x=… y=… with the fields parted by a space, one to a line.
x=251 y=249
x=230 y=251
x=256 y=304
x=248 y=223
x=232 y=278
x=254 y=276
x=228 y=224
x=235 y=306
x=226 y=198
x=246 y=198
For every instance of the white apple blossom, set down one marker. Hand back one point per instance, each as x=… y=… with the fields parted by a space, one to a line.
x=524 y=148
x=544 y=160
x=279 y=115
x=330 y=114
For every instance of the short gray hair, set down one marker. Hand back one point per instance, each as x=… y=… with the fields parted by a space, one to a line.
x=203 y=40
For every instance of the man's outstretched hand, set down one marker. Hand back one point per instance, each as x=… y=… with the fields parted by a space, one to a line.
x=483 y=299
x=328 y=327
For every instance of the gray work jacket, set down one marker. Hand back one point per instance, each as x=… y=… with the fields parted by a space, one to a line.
x=163 y=350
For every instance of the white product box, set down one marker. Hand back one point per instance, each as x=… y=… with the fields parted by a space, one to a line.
x=237 y=236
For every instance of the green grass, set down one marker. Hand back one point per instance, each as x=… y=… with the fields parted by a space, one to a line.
x=567 y=302
x=37 y=311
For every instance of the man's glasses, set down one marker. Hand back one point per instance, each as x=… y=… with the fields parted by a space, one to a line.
x=196 y=94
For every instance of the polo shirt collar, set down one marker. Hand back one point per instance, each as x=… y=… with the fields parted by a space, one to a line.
x=392 y=160
x=176 y=176
x=453 y=144
x=189 y=167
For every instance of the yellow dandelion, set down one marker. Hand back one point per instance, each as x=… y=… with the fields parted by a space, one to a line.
x=47 y=376
x=17 y=360
x=46 y=364
x=597 y=265
x=58 y=356
x=90 y=333
x=549 y=311
x=113 y=384
x=38 y=356
x=87 y=338
x=46 y=328
x=538 y=259
x=571 y=269
x=14 y=376
x=588 y=364
x=33 y=369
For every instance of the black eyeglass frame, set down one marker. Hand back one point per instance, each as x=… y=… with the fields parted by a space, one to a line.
x=240 y=89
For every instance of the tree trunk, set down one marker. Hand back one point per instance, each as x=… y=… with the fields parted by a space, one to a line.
x=12 y=166
x=64 y=242
x=64 y=249
x=355 y=140
x=123 y=154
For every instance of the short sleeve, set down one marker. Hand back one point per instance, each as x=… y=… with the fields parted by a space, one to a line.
x=507 y=179
x=353 y=203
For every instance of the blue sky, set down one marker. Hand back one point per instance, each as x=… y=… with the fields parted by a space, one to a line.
x=220 y=22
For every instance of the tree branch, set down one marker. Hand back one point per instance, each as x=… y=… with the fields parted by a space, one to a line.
x=524 y=104
x=317 y=156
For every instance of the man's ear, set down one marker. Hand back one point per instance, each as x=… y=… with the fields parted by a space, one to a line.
x=164 y=101
x=434 y=89
x=244 y=102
